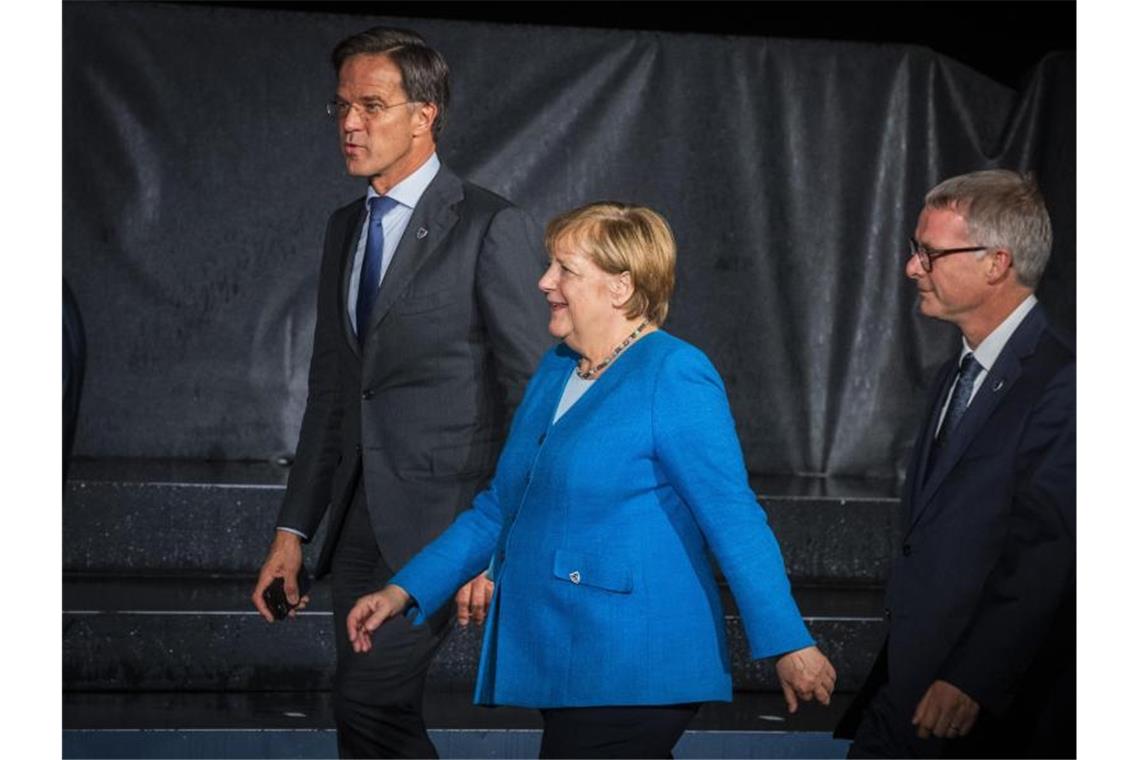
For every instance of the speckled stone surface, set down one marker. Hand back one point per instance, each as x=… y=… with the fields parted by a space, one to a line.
x=160 y=556
x=117 y=526
x=169 y=516
x=850 y=644
x=176 y=634
x=754 y=742
x=312 y=710
x=833 y=538
x=215 y=651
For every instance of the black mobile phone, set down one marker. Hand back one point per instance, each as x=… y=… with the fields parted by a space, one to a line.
x=274 y=594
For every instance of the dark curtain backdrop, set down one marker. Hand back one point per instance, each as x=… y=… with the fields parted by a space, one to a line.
x=199 y=170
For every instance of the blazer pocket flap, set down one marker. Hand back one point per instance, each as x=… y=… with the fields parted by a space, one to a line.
x=592 y=570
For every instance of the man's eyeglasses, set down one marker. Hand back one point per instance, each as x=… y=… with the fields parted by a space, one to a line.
x=926 y=256
x=339 y=109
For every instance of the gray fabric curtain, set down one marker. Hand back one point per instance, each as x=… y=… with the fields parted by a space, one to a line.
x=199 y=169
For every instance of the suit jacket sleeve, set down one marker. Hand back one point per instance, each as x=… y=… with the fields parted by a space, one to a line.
x=514 y=312
x=1037 y=568
x=695 y=439
x=318 y=448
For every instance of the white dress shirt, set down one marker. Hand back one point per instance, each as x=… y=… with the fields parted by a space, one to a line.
x=406 y=194
x=988 y=350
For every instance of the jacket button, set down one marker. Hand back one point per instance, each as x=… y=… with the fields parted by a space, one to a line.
x=906 y=550
x=541 y=438
x=358 y=448
x=368 y=394
x=887 y=613
x=575 y=577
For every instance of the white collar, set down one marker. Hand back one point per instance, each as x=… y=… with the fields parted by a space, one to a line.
x=989 y=349
x=409 y=190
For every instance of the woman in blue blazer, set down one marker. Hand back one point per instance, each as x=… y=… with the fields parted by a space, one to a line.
x=621 y=473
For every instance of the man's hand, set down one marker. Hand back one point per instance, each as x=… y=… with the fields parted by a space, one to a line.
x=474 y=599
x=283 y=561
x=945 y=711
x=371 y=611
x=807 y=674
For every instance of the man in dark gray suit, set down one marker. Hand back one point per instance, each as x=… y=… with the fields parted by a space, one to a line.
x=980 y=656
x=429 y=323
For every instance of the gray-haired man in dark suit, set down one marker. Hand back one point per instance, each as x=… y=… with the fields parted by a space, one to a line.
x=980 y=656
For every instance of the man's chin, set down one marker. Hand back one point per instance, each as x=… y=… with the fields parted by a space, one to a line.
x=930 y=308
x=355 y=167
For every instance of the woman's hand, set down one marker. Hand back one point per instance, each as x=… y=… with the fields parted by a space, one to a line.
x=370 y=612
x=473 y=600
x=807 y=674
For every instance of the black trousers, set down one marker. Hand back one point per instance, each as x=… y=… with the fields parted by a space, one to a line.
x=614 y=731
x=378 y=696
x=886 y=731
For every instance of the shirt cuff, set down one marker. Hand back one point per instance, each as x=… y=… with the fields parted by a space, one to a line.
x=294 y=531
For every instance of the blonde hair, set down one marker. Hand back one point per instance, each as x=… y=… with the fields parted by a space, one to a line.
x=621 y=237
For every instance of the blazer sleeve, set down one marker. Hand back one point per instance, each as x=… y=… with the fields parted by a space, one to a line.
x=514 y=311
x=462 y=551
x=319 y=445
x=1036 y=572
x=696 y=443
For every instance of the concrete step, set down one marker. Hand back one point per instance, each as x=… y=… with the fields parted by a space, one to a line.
x=171 y=515
x=300 y=725
x=449 y=743
x=312 y=710
x=178 y=633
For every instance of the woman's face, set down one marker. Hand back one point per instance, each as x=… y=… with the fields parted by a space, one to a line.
x=581 y=296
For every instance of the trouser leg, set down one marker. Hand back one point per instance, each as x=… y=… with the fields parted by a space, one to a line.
x=378 y=695
x=886 y=731
x=649 y=732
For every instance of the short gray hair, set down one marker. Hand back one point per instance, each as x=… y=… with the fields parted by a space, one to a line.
x=1003 y=209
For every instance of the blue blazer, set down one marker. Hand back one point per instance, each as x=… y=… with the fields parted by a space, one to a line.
x=600 y=526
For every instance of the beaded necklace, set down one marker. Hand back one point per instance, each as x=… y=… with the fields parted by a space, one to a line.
x=593 y=372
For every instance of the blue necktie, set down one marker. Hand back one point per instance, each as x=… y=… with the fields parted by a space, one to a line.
x=968 y=371
x=373 y=257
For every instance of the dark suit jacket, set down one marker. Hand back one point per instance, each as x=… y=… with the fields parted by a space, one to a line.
x=984 y=593
x=421 y=409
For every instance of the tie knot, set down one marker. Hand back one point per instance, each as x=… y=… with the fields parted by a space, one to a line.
x=969 y=367
x=379 y=206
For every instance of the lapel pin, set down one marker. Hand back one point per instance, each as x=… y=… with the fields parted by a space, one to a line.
x=421 y=233
x=999 y=384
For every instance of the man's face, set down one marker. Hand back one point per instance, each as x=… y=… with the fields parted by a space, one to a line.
x=389 y=142
x=956 y=284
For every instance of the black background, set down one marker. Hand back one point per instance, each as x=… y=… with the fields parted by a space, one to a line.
x=1001 y=39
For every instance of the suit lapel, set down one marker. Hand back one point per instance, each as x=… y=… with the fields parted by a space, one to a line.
x=998 y=383
x=919 y=469
x=432 y=219
x=348 y=253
